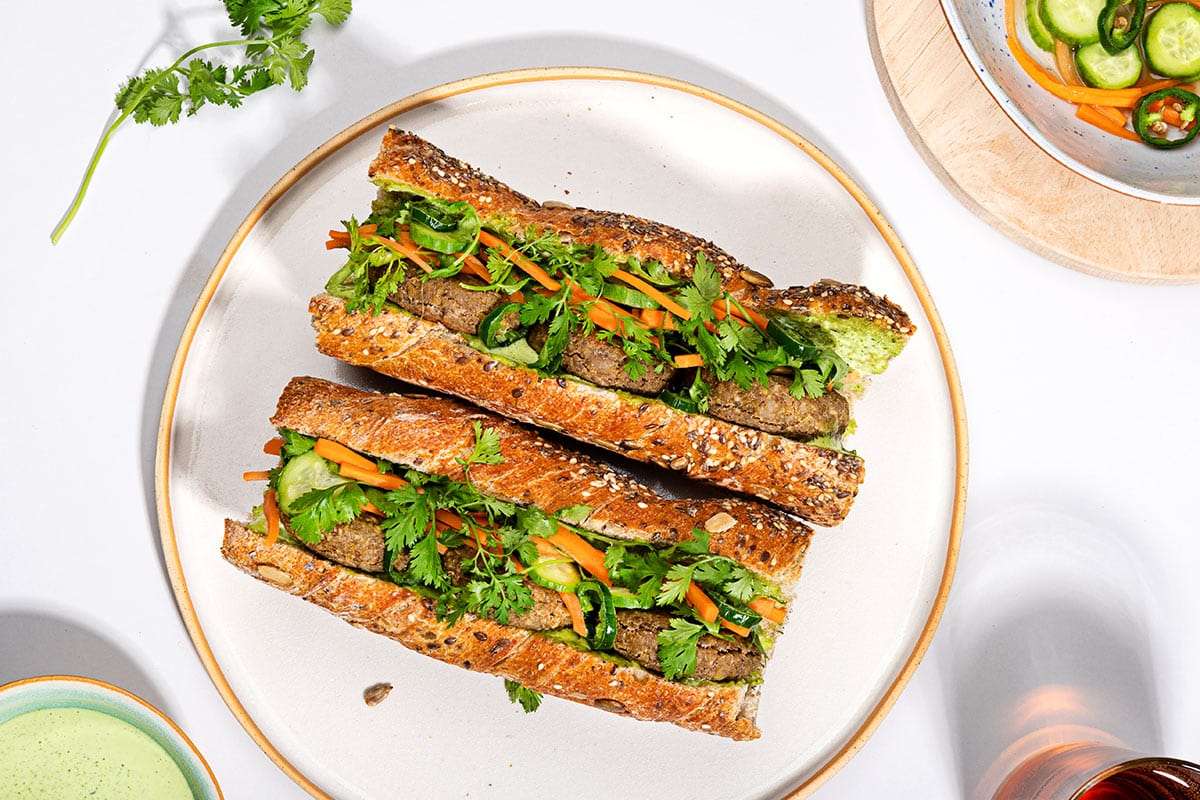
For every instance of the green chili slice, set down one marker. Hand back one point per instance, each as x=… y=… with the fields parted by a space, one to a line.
x=736 y=614
x=1120 y=23
x=1160 y=111
x=602 y=623
x=491 y=327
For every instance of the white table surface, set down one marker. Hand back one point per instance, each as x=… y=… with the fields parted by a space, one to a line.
x=1081 y=394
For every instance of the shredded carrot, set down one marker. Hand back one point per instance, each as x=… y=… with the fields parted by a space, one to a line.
x=528 y=267
x=271 y=512
x=738 y=629
x=584 y=554
x=476 y=267
x=1114 y=115
x=448 y=518
x=654 y=293
x=703 y=604
x=657 y=318
x=371 y=477
x=689 y=360
x=517 y=297
x=371 y=508
x=273 y=447
x=334 y=244
x=725 y=308
x=409 y=252
x=1092 y=116
x=571 y=601
x=769 y=609
x=1121 y=98
x=341 y=454
x=256 y=475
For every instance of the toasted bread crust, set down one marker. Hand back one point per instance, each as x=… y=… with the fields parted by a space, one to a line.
x=408 y=160
x=816 y=483
x=435 y=434
x=485 y=646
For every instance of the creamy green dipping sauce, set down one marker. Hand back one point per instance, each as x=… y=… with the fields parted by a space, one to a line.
x=80 y=754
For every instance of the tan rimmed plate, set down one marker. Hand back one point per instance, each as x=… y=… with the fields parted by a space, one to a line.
x=872 y=592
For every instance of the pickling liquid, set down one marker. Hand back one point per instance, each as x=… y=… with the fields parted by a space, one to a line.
x=78 y=754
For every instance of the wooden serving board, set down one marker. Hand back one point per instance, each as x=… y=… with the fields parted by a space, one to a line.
x=1003 y=176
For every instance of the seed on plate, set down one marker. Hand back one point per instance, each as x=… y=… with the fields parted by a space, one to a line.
x=376 y=693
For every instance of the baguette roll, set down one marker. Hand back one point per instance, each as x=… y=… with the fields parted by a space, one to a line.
x=490 y=487
x=618 y=284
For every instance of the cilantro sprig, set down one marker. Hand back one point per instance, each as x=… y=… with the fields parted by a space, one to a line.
x=518 y=693
x=273 y=54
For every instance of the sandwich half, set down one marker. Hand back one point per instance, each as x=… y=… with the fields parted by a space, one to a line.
x=470 y=539
x=614 y=330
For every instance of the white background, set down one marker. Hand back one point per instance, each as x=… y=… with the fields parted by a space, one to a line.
x=1080 y=393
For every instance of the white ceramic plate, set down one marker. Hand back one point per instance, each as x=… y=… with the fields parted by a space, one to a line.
x=1168 y=176
x=872 y=590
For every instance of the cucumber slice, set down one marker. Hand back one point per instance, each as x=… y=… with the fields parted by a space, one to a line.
x=1173 y=41
x=303 y=474
x=1076 y=22
x=555 y=572
x=1102 y=70
x=627 y=296
x=1037 y=29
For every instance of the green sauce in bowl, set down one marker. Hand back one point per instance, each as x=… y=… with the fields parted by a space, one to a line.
x=77 y=753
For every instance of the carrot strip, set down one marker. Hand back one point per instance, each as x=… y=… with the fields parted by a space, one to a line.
x=371 y=477
x=571 y=601
x=528 y=267
x=738 y=629
x=703 y=604
x=584 y=554
x=517 y=296
x=689 y=360
x=1122 y=98
x=724 y=308
x=654 y=317
x=256 y=475
x=334 y=244
x=271 y=512
x=476 y=267
x=273 y=447
x=1115 y=116
x=769 y=609
x=341 y=454
x=655 y=293
x=371 y=508
x=448 y=518
x=1090 y=115
x=411 y=253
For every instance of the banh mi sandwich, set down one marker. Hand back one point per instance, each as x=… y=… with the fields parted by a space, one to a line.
x=468 y=538
x=615 y=330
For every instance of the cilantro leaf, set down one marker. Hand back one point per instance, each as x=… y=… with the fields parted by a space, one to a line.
x=317 y=512
x=273 y=54
x=487 y=446
x=528 y=698
x=677 y=648
x=296 y=444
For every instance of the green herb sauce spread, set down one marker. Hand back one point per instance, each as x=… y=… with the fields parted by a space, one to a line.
x=72 y=753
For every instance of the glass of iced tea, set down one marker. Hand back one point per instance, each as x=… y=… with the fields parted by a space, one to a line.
x=1093 y=771
x=1049 y=666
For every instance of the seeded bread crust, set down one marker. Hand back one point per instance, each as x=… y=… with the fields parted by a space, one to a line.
x=815 y=483
x=482 y=645
x=407 y=160
x=436 y=434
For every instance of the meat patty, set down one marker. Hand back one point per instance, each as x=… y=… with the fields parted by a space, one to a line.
x=602 y=363
x=716 y=659
x=773 y=408
x=445 y=300
x=548 y=612
x=357 y=544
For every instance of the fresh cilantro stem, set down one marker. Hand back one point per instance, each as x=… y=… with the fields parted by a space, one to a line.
x=156 y=96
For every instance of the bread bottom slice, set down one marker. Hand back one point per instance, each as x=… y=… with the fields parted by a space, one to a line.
x=474 y=643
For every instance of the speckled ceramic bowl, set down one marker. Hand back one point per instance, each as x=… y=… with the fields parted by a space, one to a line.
x=64 y=691
x=1168 y=176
